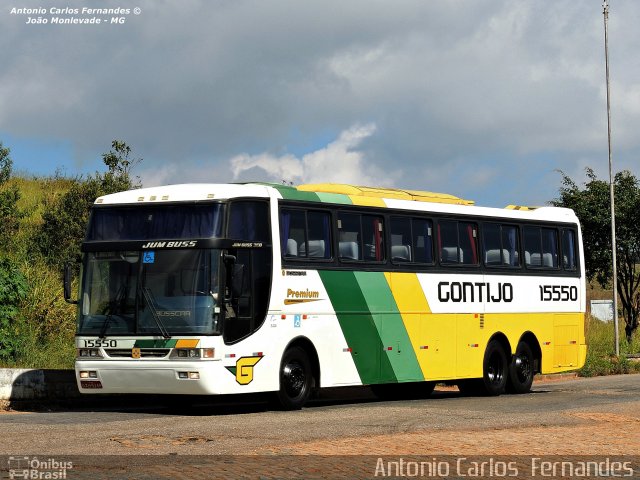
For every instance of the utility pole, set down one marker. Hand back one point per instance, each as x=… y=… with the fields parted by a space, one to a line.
x=605 y=6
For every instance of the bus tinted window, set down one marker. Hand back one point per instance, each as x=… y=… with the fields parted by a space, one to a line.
x=541 y=247
x=422 y=240
x=292 y=231
x=458 y=243
x=156 y=222
x=249 y=221
x=401 y=239
x=448 y=242
x=500 y=245
x=549 y=247
x=305 y=234
x=411 y=240
x=510 y=246
x=569 y=249
x=360 y=237
x=318 y=236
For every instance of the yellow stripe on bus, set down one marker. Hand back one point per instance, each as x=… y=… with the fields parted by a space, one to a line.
x=367 y=201
x=183 y=343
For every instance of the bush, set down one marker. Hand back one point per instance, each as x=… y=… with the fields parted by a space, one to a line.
x=600 y=345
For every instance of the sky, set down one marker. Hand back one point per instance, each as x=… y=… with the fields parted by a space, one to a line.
x=484 y=99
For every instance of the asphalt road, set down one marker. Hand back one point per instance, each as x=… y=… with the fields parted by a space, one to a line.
x=232 y=425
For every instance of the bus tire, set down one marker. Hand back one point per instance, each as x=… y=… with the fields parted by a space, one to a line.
x=296 y=379
x=495 y=369
x=521 y=369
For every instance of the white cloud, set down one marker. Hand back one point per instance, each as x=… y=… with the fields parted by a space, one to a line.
x=338 y=162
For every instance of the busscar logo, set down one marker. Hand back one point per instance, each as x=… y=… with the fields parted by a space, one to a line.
x=294 y=273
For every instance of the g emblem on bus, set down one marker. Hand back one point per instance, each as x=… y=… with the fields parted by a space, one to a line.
x=244 y=369
x=135 y=352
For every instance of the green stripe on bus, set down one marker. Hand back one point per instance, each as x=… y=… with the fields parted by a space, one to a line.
x=358 y=326
x=334 y=198
x=155 y=343
x=395 y=338
x=291 y=193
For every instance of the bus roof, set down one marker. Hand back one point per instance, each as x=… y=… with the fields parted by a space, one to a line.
x=335 y=193
x=400 y=194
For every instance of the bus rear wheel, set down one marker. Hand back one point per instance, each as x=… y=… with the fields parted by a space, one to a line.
x=296 y=379
x=521 y=369
x=495 y=369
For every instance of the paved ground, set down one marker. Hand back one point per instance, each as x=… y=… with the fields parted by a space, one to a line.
x=610 y=426
x=599 y=416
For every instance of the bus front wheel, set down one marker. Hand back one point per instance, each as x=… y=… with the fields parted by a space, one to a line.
x=296 y=379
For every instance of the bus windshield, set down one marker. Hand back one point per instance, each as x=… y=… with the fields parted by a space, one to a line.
x=161 y=292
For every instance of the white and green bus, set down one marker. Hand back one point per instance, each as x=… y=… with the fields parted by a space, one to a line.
x=243 y=288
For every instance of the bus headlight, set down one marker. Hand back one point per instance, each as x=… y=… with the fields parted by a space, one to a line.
x=89 y=352
x=188 y=352
x=195 y=352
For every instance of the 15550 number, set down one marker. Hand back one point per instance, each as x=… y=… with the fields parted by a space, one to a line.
x=558 y=293
x=100 y=343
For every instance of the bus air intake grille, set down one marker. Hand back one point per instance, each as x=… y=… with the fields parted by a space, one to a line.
x=144 y=352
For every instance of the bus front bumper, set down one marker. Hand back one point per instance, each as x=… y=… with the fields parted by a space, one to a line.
x=190 y=378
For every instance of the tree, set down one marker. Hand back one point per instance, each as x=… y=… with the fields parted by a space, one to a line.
x=592 y=206
x=65 y=220
x=5 y=164
x=10 y=214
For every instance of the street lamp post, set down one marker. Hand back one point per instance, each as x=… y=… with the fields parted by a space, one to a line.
x=605 y=6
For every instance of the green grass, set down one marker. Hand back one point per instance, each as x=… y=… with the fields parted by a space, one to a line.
x=45 y=324
x=601 y=359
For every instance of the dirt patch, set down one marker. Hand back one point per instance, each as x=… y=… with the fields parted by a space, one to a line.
x=153 y=441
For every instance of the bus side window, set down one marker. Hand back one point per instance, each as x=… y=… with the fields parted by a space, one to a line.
x=422 y=240
x=349 y=240
x=541 y=247
x=549 y=248
x=510 y=246
x=372 y=233
x=318 y=236
x=468 y=243
x=400 y=239
x=249 y=221
x=532 y=247
x=500 y=245
x=569 y=250
x=305 y=234
x=292 y=231
x=457 y=242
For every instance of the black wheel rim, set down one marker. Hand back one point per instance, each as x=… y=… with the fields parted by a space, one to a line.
x=523 y=368
x=495 y=369
x=294 y=379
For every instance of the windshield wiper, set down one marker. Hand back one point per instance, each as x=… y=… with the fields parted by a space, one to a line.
x=147 y=294
x=113 y=308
